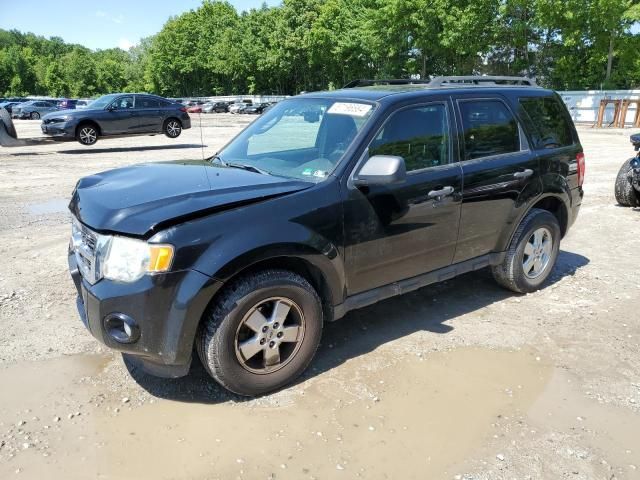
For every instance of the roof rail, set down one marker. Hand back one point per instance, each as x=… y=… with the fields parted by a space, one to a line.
x=386 y=81
x=480 y=80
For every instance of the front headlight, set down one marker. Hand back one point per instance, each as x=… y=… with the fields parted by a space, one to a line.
x=127 y=259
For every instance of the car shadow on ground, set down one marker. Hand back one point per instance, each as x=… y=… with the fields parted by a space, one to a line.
x=433 y=308
x=83 y=150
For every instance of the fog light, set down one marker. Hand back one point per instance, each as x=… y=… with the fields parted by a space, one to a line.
x=122 y=328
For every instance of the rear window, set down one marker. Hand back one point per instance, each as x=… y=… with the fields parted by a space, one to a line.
x=549 y=122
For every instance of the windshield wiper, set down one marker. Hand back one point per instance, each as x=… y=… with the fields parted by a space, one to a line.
x=242 y=166
x=249 y=168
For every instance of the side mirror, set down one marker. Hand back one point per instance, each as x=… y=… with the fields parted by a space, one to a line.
x=111 y=108
x=381 y=170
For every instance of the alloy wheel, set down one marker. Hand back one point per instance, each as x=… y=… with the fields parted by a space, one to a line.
x=270 y=335
x=88 y=135
x=537 y=253
x=173 y=129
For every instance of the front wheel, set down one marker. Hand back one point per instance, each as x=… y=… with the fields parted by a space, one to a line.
x=626 y=195
x=532 y=253
x=87 y=135
x=261 y=332
x=172 y=128
x=35 y=116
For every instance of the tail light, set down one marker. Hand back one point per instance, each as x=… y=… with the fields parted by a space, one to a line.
x=581 y=168
x=183 y=109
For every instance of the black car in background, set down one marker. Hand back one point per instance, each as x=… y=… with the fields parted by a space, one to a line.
x=118 y=114
x=256 y=108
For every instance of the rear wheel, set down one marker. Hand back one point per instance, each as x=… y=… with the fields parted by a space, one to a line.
x=261 y=332
x=87 y=134
x=172 y=128
x=5 y=118
x=35 y=116
x=626 y=195
x=532 y=253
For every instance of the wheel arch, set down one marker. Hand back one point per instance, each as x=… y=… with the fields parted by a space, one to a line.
x=88 y=122
x=316 y=267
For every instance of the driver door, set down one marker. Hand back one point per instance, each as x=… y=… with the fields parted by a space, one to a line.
x=394 y=232
x=120 y=118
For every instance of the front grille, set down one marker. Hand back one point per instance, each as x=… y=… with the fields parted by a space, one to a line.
x=84 y=242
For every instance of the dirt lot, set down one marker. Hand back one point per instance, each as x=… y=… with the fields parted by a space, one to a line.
x=461 y=380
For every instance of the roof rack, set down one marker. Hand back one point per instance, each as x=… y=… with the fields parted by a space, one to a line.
x=386 y=81
x=450 y=81
x=481 y=80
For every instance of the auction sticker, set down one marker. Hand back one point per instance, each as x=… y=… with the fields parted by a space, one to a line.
x=353 y=109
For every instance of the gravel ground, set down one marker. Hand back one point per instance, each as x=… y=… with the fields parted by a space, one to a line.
x=459 y=380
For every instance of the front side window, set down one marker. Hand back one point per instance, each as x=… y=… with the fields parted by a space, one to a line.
x=489 y=129
x=550 y=122
x=302 y=138
x=419 y=135
x=123 y=103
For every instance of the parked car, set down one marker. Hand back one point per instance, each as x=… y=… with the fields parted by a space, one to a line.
x=33 y=109
x=237 y=107
x=256 y=108
x=627 y=188
x=194 y=109
x=8 y=106
x=80 y=104
x=299 y=220
x=67 y=104
x=118 y=114
x=215 y=107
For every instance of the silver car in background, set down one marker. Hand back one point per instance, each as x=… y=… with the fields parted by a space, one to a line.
x=34 y=109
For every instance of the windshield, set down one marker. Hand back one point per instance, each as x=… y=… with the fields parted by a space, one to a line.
x=103 y=101
x=301 y=138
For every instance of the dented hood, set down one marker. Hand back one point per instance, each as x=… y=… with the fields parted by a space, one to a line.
x=142 y=199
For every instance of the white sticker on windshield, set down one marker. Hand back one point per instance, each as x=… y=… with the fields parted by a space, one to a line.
x=353 y=109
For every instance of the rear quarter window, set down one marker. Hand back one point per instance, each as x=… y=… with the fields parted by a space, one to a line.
x=549 y=122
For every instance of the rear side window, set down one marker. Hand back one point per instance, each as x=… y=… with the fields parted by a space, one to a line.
x=550 y=126
x=419 y=135
x=489 y=129
x=146 y=102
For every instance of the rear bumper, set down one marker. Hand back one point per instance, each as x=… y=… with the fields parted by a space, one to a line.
x=166 y=308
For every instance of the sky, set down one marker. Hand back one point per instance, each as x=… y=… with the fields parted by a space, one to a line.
x=108 y=24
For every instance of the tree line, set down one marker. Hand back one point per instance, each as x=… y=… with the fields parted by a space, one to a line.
x=319 y=44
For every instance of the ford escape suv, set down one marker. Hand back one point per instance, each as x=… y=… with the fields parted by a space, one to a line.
x=328 y=202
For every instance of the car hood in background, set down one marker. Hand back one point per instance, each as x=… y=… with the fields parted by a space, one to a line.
x=143 y=199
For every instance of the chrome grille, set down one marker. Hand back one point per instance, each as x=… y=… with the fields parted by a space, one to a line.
x=84 y=242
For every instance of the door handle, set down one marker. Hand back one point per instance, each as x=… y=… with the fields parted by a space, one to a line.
x=525 y=174
x=444 y=192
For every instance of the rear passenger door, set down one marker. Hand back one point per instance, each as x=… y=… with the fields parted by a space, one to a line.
x=149 y=114
x=500 y=173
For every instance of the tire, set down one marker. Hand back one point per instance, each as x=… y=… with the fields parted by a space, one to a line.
x=626 y=195
x=517 y=272
x=172 y=128
x=5 y=118
x=252 y=300
x=34 y=116
x=87 y=134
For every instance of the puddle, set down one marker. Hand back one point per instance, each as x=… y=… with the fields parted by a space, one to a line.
x=57 y=205
x=412 y=418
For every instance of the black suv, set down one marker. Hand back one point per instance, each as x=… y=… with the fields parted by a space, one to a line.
x=328 y=202
x=118 y=114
